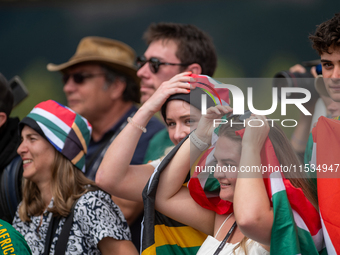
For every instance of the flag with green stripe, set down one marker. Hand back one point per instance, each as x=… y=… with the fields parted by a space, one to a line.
x=160 y=234
x=296 y=225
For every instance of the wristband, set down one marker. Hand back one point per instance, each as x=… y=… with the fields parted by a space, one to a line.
x=202 y=146
x=136 y=125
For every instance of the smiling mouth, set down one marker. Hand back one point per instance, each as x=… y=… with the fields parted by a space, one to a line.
x=146 y=88
x=224 y=184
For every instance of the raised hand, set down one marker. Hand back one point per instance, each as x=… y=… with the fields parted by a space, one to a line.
x=255 y=135
x=206 y=124
x=180 y=83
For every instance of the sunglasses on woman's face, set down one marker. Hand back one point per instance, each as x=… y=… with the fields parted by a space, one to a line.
x=154 y=63
x=79 y=78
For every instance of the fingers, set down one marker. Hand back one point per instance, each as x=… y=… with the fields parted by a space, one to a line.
x=297 y=69
x=257 y=121
x=313 y=71
x=219 y=110
x=180 y=83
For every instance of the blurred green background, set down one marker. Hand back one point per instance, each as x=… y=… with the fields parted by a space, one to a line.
x=252 y=38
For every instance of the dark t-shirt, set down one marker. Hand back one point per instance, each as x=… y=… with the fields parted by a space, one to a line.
x=95 y=149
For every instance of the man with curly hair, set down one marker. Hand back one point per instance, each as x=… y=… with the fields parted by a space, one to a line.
x=326 y=146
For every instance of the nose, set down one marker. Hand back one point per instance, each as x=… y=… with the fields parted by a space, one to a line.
x=181 y=132
x=69 y=86
x=336 y=72
x=218 y=172
x=144 y=71
x=22 y=148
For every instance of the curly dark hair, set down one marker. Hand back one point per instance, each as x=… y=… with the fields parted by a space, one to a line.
x=194 y=45
x=327 y=35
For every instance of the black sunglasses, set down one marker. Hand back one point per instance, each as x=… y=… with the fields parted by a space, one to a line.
x=79 y=77
x=154 y=63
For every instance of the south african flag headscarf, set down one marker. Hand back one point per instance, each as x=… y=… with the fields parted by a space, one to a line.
x=66 y=130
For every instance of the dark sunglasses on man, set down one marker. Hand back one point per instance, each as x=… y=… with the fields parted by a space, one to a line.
x=79 y=77
x=154 y=63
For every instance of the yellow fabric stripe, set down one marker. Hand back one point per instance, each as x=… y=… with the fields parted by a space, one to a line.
x=151 y=250
x=77 y=158
x=182 y=236
x=80 y=136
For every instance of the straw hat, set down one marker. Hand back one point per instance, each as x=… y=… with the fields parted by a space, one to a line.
x=115 y=54
x=320 y=86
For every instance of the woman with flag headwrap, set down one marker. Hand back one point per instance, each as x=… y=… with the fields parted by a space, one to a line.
x=181 y=112
x=62 y=211
x=260 y=213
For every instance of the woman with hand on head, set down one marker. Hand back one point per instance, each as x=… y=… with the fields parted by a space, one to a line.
x=180 y=108
x=246 y=228
x=58 y=200
x=181 y=115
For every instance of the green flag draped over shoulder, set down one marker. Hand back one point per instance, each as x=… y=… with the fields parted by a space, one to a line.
x=11 y=241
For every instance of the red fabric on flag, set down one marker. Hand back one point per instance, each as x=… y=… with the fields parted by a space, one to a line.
x=296 y=197
x=207 y=83
x=326 y=135
x=59 y=111
x=197 y=192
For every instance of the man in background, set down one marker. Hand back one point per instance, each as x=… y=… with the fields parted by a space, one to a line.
x=100 y=83
x=10 y=162
x=172 y=49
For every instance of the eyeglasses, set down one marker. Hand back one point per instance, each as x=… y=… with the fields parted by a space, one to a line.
x=154 y=63
x=79 y=77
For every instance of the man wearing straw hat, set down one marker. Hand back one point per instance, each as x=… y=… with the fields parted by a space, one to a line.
x=100 y=83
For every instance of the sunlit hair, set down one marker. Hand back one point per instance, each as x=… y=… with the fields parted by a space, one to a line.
x=285 y=155
x=68 y=184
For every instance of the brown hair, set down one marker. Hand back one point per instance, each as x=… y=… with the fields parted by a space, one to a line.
x=327 y=35
x=68 y=184
x=285 y=155
x=193 y=45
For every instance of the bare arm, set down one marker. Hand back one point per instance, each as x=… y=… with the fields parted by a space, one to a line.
x=174 y=200
x=253 y=213
x=115 y=174
x=301 y=132
x=109 y=245
x=130 y=209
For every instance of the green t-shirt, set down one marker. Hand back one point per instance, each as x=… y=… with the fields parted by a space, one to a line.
x=11 y=241
x=157 y=146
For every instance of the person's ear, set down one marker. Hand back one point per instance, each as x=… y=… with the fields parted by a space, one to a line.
x=117 y=88
x=3 y=118
x=194 y=68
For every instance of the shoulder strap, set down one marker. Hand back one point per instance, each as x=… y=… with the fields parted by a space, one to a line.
x=222 y=244
x=50 y=234
x=218 y=231
x=61 y=244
